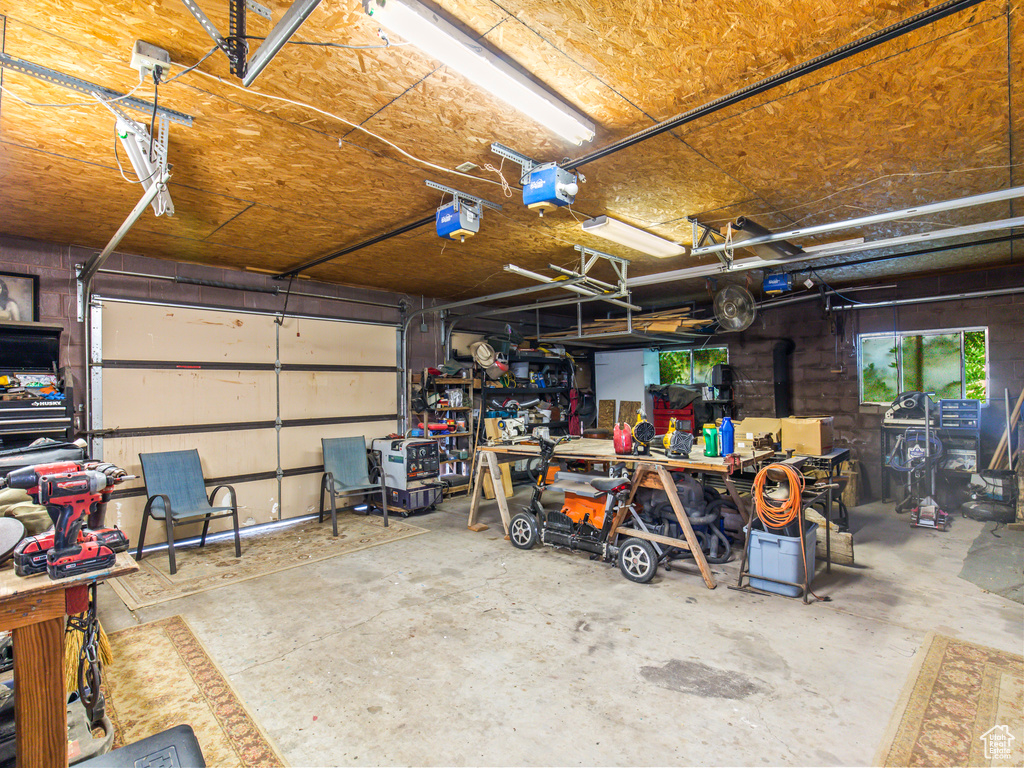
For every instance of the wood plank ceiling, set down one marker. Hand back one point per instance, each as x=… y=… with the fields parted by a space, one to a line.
x=261 y=184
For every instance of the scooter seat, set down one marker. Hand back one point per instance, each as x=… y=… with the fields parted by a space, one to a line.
x=605 y=484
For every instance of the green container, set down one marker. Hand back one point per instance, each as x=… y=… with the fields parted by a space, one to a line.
x=711 y=441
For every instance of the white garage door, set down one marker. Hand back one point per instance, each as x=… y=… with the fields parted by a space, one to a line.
x=252 y=396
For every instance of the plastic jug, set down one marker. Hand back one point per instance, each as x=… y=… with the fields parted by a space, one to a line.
x=711 y=440
x=727 y=436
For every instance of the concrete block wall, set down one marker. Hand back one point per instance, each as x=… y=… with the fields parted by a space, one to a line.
x=817 y=390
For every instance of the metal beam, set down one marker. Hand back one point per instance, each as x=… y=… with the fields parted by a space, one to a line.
x=294 y=271
x=90 y=268
x=878 y=218
x=89 y=89
x=218 y=38
x=459 y=195
x=279 y=36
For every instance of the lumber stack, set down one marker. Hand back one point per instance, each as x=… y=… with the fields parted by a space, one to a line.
x=671 y=321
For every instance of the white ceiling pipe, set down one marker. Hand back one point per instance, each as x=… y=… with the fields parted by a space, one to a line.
x=707 y=270
x=877 y=218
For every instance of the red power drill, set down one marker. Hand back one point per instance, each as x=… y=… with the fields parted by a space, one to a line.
x=75 y=495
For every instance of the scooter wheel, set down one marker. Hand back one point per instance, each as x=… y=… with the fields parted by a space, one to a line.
x=522 y=531
x=638 y=560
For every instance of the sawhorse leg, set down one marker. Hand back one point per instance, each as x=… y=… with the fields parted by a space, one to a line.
x=488 y=462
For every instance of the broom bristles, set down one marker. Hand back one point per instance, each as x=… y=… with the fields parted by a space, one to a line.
x=73 y=647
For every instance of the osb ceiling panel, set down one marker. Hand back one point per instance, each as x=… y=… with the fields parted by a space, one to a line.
x=264 y=184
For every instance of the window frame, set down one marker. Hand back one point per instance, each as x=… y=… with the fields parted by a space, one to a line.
x=898 y=337
x=690 y=351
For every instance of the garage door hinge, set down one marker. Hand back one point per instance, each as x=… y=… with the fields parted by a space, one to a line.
x=277 y=424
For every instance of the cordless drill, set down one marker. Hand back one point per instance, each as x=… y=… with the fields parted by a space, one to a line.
x=75 y=496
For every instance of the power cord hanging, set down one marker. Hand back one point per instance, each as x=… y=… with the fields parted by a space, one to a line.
x=790 y=510
x=152 y=119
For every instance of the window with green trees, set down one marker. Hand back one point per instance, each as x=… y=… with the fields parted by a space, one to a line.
x=951 y=363
x=690 y=366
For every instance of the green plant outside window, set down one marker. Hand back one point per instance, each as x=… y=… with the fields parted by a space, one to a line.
x=952 y=364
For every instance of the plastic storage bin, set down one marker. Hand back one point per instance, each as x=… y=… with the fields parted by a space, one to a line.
x=778 y=557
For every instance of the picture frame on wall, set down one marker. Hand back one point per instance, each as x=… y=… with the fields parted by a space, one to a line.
x=19 y=297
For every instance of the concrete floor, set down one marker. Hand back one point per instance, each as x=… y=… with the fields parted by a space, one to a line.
x=453 y=648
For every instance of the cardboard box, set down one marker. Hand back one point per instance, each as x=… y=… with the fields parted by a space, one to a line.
x=749 y=428
x=807 y=437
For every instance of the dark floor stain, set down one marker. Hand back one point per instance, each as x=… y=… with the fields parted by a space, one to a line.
x=583 y=626
x=700 y=680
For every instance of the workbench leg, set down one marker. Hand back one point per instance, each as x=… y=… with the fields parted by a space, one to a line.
x=475 y=493
x=40 y=703
x=684 y=522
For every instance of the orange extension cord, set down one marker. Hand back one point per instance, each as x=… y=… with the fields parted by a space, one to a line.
x=779 y=515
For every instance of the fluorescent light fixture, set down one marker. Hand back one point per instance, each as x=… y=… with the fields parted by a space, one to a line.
x=631 y=237
x=442 y=41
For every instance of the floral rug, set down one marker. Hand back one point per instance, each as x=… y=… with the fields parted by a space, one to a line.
x=963 y=705
x=201 y=569
x=162 y=677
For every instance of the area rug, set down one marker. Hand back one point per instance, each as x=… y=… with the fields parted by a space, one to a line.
x=201 y=569
x=963 y=705
x=162 y=676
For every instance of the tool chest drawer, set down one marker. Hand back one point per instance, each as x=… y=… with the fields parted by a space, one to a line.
x=959 y=414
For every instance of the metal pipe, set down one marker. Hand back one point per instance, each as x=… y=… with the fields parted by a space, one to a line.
x=754 y=262
x=858 y=46
x=815 y=294
x=931 y=299
x=877 y=218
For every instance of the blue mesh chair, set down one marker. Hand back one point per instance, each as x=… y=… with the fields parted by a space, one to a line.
x=177 y=495
x=345 y=474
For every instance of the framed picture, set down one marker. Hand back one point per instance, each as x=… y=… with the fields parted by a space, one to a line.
x=19 y=297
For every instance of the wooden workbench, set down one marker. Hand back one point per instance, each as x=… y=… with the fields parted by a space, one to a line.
x=650 y=471
x=33 y=609
x=590 y=449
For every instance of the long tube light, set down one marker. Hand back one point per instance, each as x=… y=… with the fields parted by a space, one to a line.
x=631 y=237
x=444 y=42
x=876 y=218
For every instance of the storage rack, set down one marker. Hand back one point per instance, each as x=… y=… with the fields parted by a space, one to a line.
x=452 y=444
x=557 y=426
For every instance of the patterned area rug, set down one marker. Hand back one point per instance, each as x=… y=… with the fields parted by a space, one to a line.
x=162 y=677
x=201 y=569
x=963 y=705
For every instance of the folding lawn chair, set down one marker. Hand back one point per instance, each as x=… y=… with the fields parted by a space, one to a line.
x=346 y=474
x=177 y=495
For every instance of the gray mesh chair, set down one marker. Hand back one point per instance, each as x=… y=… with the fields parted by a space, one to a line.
x=176 y=494
x=345 y=474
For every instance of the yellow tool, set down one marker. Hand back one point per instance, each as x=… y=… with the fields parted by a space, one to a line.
x=666 y=441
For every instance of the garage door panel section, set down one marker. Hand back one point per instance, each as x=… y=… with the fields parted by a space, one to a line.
x=327 y=394
x=223 y=454
x=301 y=447
x=306 y=341
x=151 y=332
x=257 y=504
x=140 y=399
